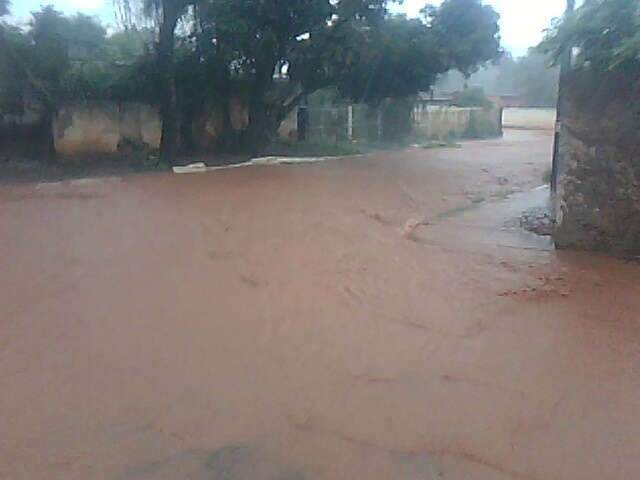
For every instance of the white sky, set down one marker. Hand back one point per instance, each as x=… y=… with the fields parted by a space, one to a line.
x=522 y=21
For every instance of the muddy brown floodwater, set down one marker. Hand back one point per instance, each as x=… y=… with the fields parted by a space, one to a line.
x=273 y=323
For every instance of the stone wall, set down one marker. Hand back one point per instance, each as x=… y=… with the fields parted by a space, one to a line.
x=597 y=200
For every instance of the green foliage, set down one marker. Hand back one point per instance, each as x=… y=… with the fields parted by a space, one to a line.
x=605 y=34
x=534 y=78
x=58 y=56
x=398 y=59
x=128 y=46
x=404 y=56
x=311 y=148
x=269 y=55
x=85 y=37
x=397 y=118
x=531 y=77
x=472 y=97
x=50 y=52
x=481 y=126
x=468 y=33
x=13 y=44
x=70 y=58
x=245 y=42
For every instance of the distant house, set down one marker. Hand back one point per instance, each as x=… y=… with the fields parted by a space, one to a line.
x=508 y=100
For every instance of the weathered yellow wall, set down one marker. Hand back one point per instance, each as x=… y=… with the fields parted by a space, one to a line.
x=443 y=122
x=289 y=128
x=99 y=128
x=530 y=118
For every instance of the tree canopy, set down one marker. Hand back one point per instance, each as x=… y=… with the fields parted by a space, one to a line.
x=194 y=57
x=398 y=59
x=531 y=77
x=604 y=34
x=70 y=57
x=468 y=33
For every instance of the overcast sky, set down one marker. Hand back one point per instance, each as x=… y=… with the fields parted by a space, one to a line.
x=522 y=21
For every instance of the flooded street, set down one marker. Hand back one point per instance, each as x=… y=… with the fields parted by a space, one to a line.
x=274 y=323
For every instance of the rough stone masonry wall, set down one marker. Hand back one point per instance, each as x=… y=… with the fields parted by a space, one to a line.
x=597 y=201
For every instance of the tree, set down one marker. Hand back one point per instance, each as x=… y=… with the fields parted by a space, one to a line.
x=468 y=33
x=66 y=62
x=13 y=45
x=472 y=97
x=270 y=55
x=126 y=47
x=277 y=52
x=56 y=59
x=169 y=13
x=49 y=63
x=536 y=79
x=398 y=59
x=531 y=77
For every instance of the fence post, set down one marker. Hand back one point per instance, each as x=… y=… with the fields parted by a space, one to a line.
x=379 y=122
x=350 y=123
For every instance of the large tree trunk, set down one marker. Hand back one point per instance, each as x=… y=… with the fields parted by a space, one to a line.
x=187 y=141
x=263 y=124
x=229 y=140
x=47 y=135
x=168 y=102
x=265 y=120
x=259 y=131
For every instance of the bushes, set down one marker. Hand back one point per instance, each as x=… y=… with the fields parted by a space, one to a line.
x=471 y=97
x=481 y=125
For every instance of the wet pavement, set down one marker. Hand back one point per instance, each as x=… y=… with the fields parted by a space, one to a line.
x=274 y=323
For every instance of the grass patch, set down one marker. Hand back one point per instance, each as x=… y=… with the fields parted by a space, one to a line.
x=329 y=148
x=436 y=144
x=312 y=148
